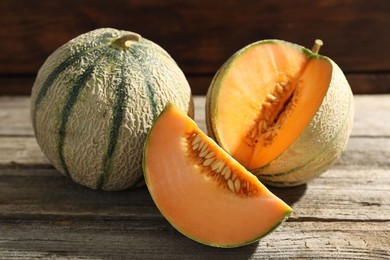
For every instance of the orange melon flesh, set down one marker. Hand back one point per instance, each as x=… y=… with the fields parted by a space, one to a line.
x=197 y=200
x=243 y=90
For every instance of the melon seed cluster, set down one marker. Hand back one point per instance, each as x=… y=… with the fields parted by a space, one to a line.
x=217 y=167
x=272 y=114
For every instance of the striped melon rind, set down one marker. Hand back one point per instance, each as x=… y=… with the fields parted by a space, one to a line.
x=93 y=103
x=322 y=141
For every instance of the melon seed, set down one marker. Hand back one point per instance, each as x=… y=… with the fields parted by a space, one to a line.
x=204 y=146
x=254 y=132
x=237 y=185
x=220 y=168
x=202 y=143
x=272 y=97
x=196 y=140
x=279 y=89
x=195 y=146
x=204 y=151
x=270 y=118
x=209 y=155
x=247 y=185
x=267 y=104
x=268 y=134
x=208 y=161
x=230 y=185
x=217 y=165
x=262 y=126
x=226 y=172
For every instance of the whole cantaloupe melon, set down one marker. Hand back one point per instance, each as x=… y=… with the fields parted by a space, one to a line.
x=281 y=110
x=94 y=101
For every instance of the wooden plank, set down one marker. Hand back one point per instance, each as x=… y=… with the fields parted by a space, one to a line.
x=370 y=114
x=21 y=152
x=156 y=239
x=200 y=35
x=345 y=192
x=332 y=197
x=15 y=116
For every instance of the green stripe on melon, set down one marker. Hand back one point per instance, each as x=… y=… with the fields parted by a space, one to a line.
x=118 y=115
x=93 y=103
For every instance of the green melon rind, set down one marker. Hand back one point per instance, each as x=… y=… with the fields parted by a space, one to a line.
x=303 y=160
x=78 y=138
x=328 y=132
x=171 y=222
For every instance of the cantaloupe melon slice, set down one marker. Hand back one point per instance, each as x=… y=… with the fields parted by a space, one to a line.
x=201 y=190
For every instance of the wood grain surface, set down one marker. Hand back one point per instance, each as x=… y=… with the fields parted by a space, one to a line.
x=201 y=35
x=344 y=214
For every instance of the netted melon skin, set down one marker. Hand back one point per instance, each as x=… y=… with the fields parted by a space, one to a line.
x=92 y=105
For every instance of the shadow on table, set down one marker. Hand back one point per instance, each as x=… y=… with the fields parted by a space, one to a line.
x=290 y=195
x=54 y=217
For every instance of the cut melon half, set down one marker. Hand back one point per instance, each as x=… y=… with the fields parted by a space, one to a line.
x=201 y=190
x=281 y=110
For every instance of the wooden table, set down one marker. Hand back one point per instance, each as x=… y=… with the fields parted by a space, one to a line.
x=343 y=214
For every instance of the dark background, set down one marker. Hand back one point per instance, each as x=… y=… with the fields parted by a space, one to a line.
x=201 y=35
